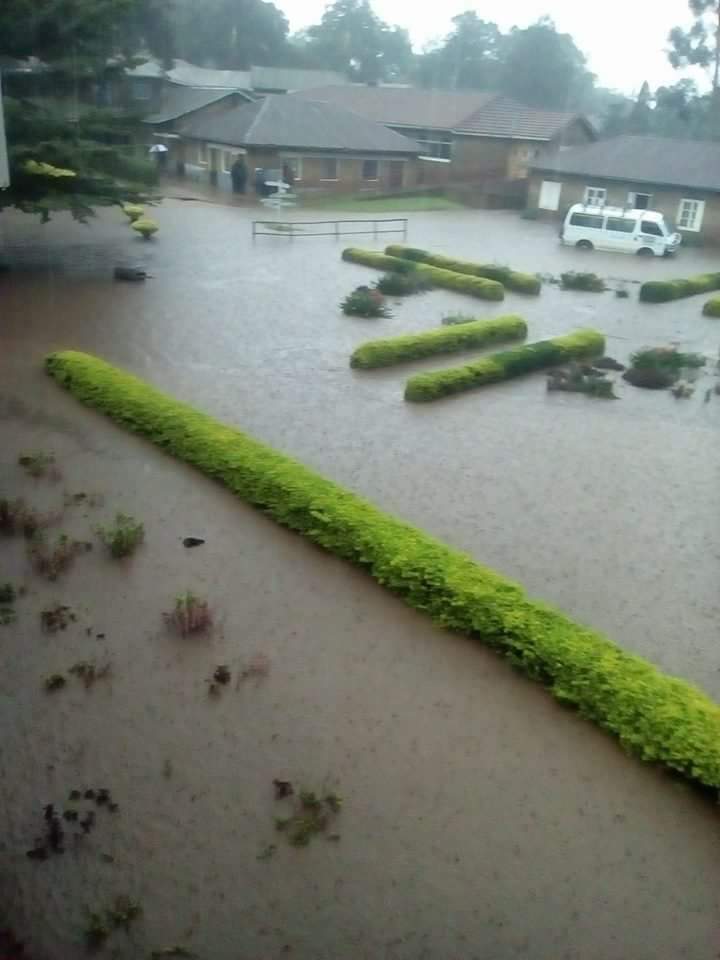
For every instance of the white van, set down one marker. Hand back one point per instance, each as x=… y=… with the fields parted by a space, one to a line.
x=614 y=228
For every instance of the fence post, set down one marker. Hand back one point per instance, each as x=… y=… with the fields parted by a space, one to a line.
x=375 y=229
x=337 y=229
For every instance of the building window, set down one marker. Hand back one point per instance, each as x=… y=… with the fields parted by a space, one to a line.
x=228 y=160
x=328 y=168
x=640 y=201
x=369 y=169
x=295 y=164
x=549 y=198
x=595 y=196
x=690 y=215
x=436 y=148
x=140 y=90
x=202 y=154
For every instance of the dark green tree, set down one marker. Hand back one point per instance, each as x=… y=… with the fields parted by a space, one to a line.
x=700 y=46
x=467 y=58
x=232 y=34
x=640 y=118
x=80 y=164
x=350 y=38
x=544 y=68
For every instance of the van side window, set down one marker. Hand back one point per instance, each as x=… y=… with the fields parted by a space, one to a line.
x=586 y=220
x=649 y=226
x=620 y=224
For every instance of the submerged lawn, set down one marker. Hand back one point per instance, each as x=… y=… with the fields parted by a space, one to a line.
x=410 y=204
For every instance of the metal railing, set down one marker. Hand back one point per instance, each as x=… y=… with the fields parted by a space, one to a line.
x=306 y=228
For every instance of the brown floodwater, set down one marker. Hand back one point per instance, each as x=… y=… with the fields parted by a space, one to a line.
x=480 y=819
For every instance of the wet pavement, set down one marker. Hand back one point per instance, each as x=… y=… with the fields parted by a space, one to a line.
x=481 y=819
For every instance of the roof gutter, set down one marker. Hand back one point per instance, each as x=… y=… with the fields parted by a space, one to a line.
x=606 y=176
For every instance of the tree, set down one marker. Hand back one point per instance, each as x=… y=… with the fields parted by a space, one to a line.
x=700 y=45
x=350 y=38
x=58 y=164
x=232 y=34
x=640 y=117
x=467 y=58
x=544 y=68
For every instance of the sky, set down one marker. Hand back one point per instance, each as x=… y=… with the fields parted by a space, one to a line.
x=624 y=40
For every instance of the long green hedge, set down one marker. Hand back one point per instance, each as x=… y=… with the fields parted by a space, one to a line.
x=453 y=339
x=660 y=718
x=501 y=366
x=460 y=282
x=520 y=282
x=660 y=291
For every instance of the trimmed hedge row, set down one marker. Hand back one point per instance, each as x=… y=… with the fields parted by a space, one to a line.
x=460 y=282
x=659 y=718
x=520 y=282
x=501 y=366
x=712 y=307
x=453 y=339
x=660 y=291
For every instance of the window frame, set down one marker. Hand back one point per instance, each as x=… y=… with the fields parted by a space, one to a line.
x=590 y=191
x=377 y=170
x=323 y=178
x=632 y=199
x=296 y=162
x=698 y=206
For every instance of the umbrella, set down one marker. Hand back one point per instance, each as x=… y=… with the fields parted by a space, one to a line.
x=158 y=148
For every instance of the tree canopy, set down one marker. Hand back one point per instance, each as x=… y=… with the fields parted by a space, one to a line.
x=232 y=34
x=468 y=58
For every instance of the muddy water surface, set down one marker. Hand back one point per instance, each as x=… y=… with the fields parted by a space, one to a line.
x=481 y=820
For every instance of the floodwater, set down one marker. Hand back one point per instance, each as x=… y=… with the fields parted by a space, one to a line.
x=481 y=820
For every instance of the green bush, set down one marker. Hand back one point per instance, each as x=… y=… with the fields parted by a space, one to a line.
x=589 y=282
x=365 y=302
x=395 y=284
x=502 y=366
x=660 y=718
x=461 y=283
x=520 y=282
x=656 y=368
x=383 y=353
x=145 y=227
x=712 y=307
x=660 y=291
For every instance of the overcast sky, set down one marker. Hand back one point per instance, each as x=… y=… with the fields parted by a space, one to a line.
x=624 y=40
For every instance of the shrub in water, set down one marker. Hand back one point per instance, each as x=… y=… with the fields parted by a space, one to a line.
x=383 y=353
x=365 y=302
x=122 y=539
x=133 y=211
x=660 y=718
x=397 y=284
x=660 y=291
x=712 y=307
x=145 y=227
x=519 y=282
x=656 y=368
x=590 y=282
x=502 y=366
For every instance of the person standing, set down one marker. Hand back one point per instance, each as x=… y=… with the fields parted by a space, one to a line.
x=238 y=175
x=288 y=175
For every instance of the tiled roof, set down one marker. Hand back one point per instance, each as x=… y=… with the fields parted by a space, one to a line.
x=188 y=75
x=503 y=117
x=289 y=122
x=178 y=101
x=404 y=106
x=283 y=79
x=653 y=160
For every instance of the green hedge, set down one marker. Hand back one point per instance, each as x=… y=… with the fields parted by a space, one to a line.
x=501 y=366
x=460 y=282
x=660 y=291
x=659 y=718
x=520 y=282
x=453 y=339
x=712 y=307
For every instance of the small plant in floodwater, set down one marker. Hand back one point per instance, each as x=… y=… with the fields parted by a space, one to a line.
x=657 y=368
x=455 y=318
x=83 y=499
x=56 y=681
x=621 y=293
x=267 y=853
x=7 y=616
x=589 y=282
x=311 y=815
x=88 y=671
x=396 y=284
x=191 y=614
x=220 y=678
x=682 y=390
x=56 y=618
x=102 y=923
x=123 y=912
x=50 y=560
x=124 y=537
x=17 y=518
x=581 y=378
x=39 y=465
x=365 y=302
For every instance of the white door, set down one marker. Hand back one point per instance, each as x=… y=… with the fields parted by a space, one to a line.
x=549 y=195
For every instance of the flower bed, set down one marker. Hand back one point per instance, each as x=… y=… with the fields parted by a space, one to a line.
x=660 y=718
x=502 y=366
x=660 y=291
x=519 y=282
x=460 y=282
x=453 y=339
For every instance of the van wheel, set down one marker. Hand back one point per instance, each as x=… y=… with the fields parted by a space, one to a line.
x=645 y=252
x=584 y=245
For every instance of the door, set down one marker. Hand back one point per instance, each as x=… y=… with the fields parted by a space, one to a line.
x=397 y=172
x=549 y=195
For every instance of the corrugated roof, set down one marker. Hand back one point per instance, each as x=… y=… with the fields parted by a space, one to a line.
x=281 y=78
x=188 y=75
x=177 y=101
x=404 y=106
x=503 y=117
x=654 y=160
x=282 y=121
